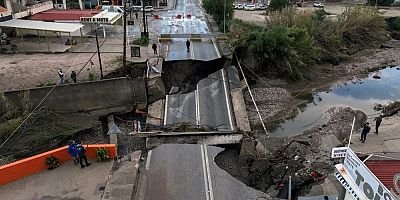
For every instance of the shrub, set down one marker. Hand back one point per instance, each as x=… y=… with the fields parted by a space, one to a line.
x=143 y=41
x=278 y=4
x=52 y=162
x=102 y=155
x=91 y=77
x=216 y=9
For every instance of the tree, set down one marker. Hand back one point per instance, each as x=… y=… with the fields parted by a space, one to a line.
x=216 y=9
x=278 y=4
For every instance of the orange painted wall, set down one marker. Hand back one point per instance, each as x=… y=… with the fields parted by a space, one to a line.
x=35 y=164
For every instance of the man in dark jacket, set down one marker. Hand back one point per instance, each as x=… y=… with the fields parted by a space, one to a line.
x=378 y=123
x=154 y=47
x=82 y=155
x=188 y=45
x=364 y=132
x=73 y=76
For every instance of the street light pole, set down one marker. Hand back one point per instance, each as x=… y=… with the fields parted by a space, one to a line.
x=224 y=14
x=124 y=41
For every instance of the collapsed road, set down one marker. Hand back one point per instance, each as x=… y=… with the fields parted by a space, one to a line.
x=208 y=105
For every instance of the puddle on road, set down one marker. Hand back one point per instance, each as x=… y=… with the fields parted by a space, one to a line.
x=361 y=94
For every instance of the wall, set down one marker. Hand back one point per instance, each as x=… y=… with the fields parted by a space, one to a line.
x=94 y=97
x=35 y=164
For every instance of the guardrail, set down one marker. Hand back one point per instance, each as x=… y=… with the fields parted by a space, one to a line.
x=32 y=165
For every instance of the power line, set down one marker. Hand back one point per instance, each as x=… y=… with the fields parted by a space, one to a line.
x=30 y=114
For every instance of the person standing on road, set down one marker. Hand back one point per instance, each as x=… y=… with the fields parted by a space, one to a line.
x=188 y=45
x=136 y=15
x=73 y=152
x=154 y=47
x=364 y=132
x=82 y=155
x=73 y=76
x=61 y=75
x=378 y=123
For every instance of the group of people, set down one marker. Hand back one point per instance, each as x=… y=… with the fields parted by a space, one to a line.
x=154 y=47
x=78 y=153
x=73 y=73
x=366 y=128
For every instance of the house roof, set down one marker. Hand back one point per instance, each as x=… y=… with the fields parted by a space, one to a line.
x=385 y=170
x=43 y=26
x=67 y=15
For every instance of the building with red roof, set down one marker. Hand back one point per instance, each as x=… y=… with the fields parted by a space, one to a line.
x=71 y=15
x=388 y=172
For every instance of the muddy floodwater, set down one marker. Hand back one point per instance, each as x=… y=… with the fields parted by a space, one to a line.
x=360 y=94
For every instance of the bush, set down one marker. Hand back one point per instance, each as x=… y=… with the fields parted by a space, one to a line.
x=92 y=77
x=216 y=9
x=278 y=4
x=287 y=51
x=393 y=23
x=52 y=162
x=143 y=41
x=381 y=2
x=102 y=155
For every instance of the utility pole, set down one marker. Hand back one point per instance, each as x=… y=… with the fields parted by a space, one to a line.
x=144 y=20
x=224 y=15
x=124 y=51
x=98 y=54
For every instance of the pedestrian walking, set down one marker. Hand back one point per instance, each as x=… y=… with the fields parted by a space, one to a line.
x=364 y=132
x=188 y=45
x=82 y=155
x=136 y=15
x=61 y=75
x=91 y=65
x=72 y=151
x=154 y=47
x=378 y=121
x=73 y=76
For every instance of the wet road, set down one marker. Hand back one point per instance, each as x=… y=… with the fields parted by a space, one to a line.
x=189 y=172
x=208 y=106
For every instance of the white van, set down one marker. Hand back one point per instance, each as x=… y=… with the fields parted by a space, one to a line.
x=113 y=9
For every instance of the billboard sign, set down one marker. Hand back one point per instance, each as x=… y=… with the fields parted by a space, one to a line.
x=364 y=179
x=339 y=152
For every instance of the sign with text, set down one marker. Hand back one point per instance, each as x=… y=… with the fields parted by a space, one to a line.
x=365 y=180
x=339 y=152
x=94 y=19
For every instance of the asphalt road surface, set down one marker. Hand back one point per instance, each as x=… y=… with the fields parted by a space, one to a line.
x=208 y=106
x=188 y=171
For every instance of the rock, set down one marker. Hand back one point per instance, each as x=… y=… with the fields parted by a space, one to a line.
x=328 y=142
x=261 y=150
x=376 y=77
x=260 y=167
x=303 y=141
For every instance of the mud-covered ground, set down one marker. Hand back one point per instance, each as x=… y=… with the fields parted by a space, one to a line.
x=310 y=151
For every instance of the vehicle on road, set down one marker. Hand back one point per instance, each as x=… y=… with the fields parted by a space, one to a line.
x=250 y=7
x=239 y=6
x=147 y=9
x=318 y=5
x=261 y=7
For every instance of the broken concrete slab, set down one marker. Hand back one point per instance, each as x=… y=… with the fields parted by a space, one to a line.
x=239 y=109
x=112 y=127
x=247 y=151
x=156 y=113
x=122 y=182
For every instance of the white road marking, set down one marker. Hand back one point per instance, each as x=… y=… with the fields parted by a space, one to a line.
x=166 y=109
x=208 y=174
x=216 y=48
x=197 y=100
x=148 y=160
x=204 y=173
x=227 y=99
x=191 y=50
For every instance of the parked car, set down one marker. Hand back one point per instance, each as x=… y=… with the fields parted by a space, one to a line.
x=249 y=7
x=318 y=5
x=147 y=9
x=239 y=6
x=261 y=7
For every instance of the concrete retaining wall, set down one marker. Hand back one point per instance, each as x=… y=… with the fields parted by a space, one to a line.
x=97 y=97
